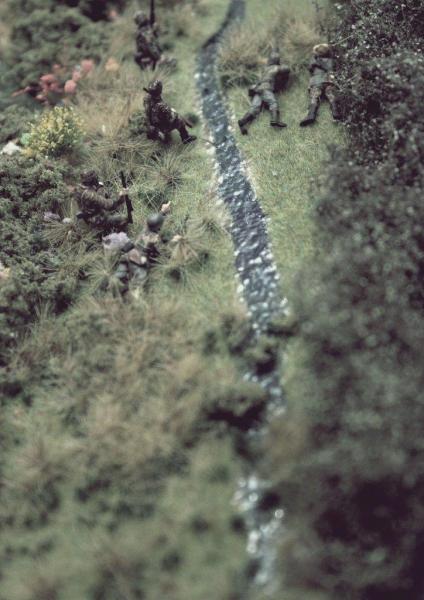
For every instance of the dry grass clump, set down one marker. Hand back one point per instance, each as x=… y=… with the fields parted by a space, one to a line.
x=246 y=47
x=240 y=54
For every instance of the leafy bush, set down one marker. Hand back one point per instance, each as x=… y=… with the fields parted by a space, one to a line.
x=13 y=121
x=28 y=189
x=44 y=36
x=355 y=486
x=56 y=131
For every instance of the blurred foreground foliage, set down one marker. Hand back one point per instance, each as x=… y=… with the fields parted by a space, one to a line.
x=349 y=459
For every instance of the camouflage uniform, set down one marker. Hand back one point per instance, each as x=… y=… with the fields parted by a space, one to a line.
x=321 y=84
x=263 y=94
x=95 y=206
x=148 y=52
x=140 y=256
x=161 y=118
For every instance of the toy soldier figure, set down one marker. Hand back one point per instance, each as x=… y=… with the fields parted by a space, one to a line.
x=161 y=118
x=95 y=205
x=139 y=256
x=321 y=84
x=263 y=94
x=148 y=52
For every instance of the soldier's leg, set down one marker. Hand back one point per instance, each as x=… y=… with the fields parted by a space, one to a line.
x=252 y=113
x=138 y=274
x=271 y=102
x=180 y=126
x=331 y=95
x=315 y=93
x=152 y=133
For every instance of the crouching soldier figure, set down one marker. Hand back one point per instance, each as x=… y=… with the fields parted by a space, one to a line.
x=322 y=83
x=263 y=94
x=161 y=118
x=138 y=257
x=96 y=206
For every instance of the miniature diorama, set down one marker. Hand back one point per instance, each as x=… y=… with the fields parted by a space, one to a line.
x=161 y=118
x=141 y=255
x=96 y=207
x=264 y=93
x=211 y=353
x=322 y=83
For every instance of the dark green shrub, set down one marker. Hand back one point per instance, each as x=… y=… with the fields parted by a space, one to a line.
x=14 y=122
x=27 y=189
x=356 y=491
x=46 y=37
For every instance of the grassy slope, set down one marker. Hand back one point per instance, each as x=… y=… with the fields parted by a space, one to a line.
x=285 y=164
x=135 y=387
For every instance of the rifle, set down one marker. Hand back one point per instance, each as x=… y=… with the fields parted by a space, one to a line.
x=152 y=13
x=128 y=202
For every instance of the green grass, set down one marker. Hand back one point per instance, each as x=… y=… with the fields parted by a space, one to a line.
x=285 y=165
x=113 y=482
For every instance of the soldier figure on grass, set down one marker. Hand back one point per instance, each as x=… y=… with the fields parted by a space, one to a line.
x=321 y=84
x=161 y=118
x=263 y=93
x=139 y=256
x=96 y=207
x=148 y=51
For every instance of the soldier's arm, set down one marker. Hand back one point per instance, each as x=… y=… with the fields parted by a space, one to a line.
x=94 y=200
x=109 y=204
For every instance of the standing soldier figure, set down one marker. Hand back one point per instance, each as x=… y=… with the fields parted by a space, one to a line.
x=148 y=52
x=95 y=205
x=161 y=118
x=321 y=84
x=263 y=94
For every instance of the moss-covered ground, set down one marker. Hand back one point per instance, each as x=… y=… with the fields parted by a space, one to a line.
x=286 y=164
x=115 y=480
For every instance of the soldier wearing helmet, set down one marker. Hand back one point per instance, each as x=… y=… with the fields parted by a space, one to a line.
x=263 y=94
x=95 y=205
x=161 y=118
x=321 y=84
x=139 y=256
x=148 y=50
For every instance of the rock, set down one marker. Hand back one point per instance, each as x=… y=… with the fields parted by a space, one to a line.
x=10 y=149
x=115 y=241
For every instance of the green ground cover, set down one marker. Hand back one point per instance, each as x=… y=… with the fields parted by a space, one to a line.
x=286 y=165
x=115 y=482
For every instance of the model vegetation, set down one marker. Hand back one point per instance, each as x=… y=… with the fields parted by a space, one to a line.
x=124 y=405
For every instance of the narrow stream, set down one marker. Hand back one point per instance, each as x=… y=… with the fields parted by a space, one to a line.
x=259 y=287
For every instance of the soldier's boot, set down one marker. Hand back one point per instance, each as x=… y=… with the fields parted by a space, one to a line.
x=275 y=119
x=186 y=138
x=311 y=116
x=244 y=121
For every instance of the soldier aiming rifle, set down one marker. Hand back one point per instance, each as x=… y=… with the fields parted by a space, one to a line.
x=96 y=206
x=263 y=94
x=322 y=84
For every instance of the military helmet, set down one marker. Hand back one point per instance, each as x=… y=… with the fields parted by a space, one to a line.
x=141 y=19
x=155 y=88
x=274 y=58
x=90 y=179
x=322 y=49
x=155 y=221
